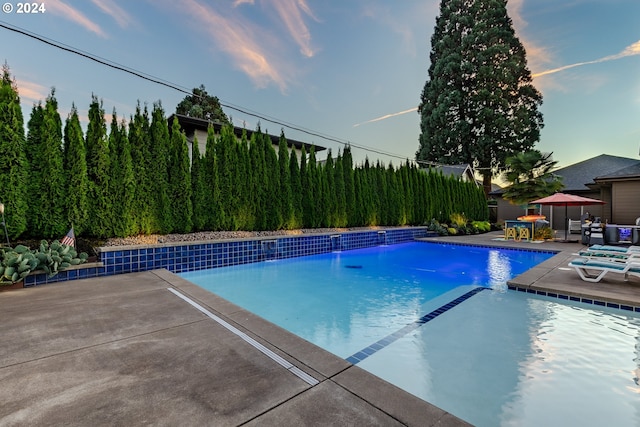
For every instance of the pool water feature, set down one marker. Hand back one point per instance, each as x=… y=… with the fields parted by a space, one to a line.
x=496 y=357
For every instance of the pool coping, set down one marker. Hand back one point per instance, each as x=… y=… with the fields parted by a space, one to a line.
x=553 y=278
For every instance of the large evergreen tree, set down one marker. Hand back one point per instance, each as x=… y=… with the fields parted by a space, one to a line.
x=13 y=163
x=479 y=105
x=75 y=167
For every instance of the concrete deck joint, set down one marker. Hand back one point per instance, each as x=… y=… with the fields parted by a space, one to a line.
x=273 y=356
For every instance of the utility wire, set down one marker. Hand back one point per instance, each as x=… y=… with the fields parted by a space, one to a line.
x=184 y=90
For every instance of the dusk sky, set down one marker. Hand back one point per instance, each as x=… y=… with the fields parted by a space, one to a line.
x=350 y=70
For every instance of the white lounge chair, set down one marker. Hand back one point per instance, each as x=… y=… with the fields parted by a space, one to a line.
x=616 y=249
x=610 y=255
x=591 y=270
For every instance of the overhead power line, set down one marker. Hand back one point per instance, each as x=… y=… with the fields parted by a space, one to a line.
x=182 y=89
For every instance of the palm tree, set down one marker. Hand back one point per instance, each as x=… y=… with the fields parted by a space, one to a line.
x=531 y=177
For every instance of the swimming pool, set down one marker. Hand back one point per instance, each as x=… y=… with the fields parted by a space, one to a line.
x=437 y=321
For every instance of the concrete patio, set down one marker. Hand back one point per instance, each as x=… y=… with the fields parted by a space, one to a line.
x=153 y=349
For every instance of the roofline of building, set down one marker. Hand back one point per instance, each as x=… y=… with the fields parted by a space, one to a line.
x=203 y=124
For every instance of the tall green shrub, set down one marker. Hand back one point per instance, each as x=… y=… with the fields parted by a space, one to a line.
x=75 y=168
x=158 y=170
x=243 y=219
x=273 y=213
x=198 y=192
x=313 y=190
x=101 y=209
x=122 y=188
x=339 y=194
x=13 y=163
x=284 y=192
x=140 y=141
x=327 y=202
x=48 y=194
x=180 y=181
x=258 y=175
x=212 y=200
x=306 y=191
x=296 y=192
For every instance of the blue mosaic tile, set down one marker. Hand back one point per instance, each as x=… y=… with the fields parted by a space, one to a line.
x=408 y=328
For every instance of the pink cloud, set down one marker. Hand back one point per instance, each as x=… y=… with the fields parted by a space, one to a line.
x=247 y=44
x=116 y=12
x=57 y=7
x=30 y=91
x=291 y=13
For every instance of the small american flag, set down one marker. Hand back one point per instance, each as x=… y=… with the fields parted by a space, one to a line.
x=69 y=239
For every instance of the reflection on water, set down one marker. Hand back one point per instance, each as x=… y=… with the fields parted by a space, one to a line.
x=499 y=269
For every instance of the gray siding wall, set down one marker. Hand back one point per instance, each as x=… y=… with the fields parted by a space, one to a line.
x=625 y=198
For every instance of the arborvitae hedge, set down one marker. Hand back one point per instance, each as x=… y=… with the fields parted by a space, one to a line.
x=141 y=181
x=122 y=189
x=180 y=181
x=48 y=196
x=75 y=168
x=13 y=162
x=101 y=207
x=198 y=191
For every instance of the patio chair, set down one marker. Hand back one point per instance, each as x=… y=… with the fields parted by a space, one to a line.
x=511 y=232
x=594 y=270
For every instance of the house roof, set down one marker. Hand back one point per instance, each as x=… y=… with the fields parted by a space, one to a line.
x=579 y=176
x=457 y=170
x=190 y=124
x=632 y=171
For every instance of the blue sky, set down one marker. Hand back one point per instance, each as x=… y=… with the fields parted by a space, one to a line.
x=352 y=70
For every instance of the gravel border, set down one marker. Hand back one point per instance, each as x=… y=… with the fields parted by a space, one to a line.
x=223 y=235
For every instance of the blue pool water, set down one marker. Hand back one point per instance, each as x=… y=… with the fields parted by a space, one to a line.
x=437 y=321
